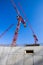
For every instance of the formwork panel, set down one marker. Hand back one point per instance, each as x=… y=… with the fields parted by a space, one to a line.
x=15 y=59
x=38 y=60
x=28 y=59
x=18 y=56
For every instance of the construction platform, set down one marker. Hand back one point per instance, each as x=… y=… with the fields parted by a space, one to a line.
x=28 y=55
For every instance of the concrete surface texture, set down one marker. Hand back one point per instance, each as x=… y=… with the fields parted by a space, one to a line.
x=19 y=56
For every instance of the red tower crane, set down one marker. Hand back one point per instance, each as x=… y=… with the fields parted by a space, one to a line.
x=20 y=20
x=26 y=19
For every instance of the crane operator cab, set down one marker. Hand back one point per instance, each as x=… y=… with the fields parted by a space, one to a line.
x=20 y=19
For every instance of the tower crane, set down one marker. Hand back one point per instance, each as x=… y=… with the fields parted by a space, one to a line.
x=26 y=19
x=20 y=20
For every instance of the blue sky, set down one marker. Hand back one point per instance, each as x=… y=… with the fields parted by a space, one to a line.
x=34 y=12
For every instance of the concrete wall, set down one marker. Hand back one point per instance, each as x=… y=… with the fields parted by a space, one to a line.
x=18 y=55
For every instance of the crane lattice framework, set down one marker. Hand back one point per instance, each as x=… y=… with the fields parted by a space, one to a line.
x=20 y=20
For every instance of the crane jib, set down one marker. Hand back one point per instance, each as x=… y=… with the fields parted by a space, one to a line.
x=14 y=5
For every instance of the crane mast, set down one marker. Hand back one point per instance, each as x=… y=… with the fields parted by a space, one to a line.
x=16 y=34
x=20 y=20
